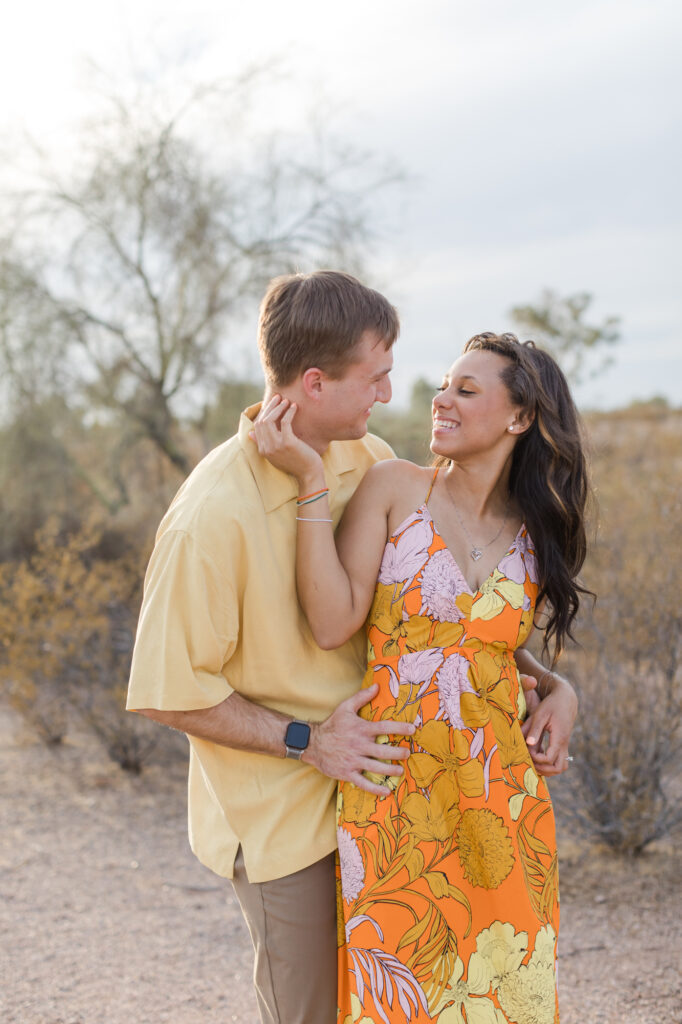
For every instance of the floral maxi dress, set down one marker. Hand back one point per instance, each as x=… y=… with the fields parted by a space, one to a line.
x=449 y=886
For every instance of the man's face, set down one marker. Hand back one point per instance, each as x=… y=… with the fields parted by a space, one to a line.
x=348 y=401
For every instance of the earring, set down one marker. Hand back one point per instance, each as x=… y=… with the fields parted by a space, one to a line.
x=511 y=429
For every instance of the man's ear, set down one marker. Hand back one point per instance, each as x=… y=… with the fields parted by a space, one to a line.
x=312 y=382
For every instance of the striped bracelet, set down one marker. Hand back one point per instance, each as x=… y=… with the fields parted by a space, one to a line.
x=315 y=494
x=311 y=499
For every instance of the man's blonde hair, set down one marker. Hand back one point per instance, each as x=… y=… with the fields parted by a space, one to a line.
x=318 y=319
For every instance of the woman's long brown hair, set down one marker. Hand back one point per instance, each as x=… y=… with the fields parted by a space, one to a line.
x=549 y=477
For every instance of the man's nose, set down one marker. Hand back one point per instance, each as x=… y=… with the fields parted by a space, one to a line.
x=384 y=391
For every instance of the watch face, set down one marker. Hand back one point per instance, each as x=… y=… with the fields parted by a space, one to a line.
x=297 y=735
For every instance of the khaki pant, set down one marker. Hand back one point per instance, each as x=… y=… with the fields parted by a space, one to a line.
x=292 y=921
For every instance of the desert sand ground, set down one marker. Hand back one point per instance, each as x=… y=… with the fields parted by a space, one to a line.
x=107 y=918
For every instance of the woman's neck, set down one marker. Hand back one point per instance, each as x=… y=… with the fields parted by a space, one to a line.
x=481 y=490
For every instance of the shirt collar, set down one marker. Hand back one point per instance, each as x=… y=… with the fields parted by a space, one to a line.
x=276 y=487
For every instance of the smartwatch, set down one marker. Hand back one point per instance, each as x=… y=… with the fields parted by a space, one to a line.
x=296 y=738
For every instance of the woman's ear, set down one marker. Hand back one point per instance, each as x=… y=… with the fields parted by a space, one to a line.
x=521 y=422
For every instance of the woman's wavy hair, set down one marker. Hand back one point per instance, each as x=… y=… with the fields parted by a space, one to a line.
x=549 y=477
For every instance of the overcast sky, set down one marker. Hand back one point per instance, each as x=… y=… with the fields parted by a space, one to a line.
x=542 y=141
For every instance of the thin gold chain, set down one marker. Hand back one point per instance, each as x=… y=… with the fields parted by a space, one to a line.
x=477 y=549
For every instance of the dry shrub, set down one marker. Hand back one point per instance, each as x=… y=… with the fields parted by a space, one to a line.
x=629 y=740
x=626 y=749
x=68 y=616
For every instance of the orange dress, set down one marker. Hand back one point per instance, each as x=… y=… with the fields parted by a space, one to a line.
x=448 y=888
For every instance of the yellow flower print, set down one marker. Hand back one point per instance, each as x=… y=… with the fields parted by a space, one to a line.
x=526 y=992
x=545 y=945
x=493 y=691
x=488 y=678
x=457 y=995
x=340 y=923
x=437 y=817
x=390 y=781
x=494 y=594
x=434 y=738
x=357 y=805
x=387 y=614
x=511 y=745
x=355 y=1016
x=499 y=951
x=529 y=994
x=486 y=852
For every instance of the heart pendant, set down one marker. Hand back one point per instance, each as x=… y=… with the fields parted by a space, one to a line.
x=476 y=553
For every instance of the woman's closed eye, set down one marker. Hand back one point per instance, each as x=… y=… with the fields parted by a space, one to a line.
x=460 y=391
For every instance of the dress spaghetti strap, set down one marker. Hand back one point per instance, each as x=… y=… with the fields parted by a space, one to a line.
x=433 y=480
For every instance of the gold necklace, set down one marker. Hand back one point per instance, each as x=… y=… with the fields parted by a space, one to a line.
x=477 y=550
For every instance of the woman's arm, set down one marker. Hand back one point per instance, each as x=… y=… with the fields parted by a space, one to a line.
x=555 y=715
x=335 y=588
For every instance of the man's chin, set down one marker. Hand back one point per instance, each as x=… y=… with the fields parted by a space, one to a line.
x=350 y=431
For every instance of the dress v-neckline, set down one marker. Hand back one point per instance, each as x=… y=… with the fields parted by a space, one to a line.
x=473 y=593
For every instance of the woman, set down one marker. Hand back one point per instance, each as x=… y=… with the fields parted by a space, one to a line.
x=449 y=883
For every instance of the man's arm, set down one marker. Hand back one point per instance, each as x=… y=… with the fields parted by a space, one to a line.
x=342 y=747
x=555 y=715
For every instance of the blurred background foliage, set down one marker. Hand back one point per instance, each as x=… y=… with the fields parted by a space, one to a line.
x=121 y=286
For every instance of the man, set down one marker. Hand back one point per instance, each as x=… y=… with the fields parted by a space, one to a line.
x=224 y=654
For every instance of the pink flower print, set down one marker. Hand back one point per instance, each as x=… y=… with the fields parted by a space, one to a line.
x=352 y=867
x=403 y=560
x=519 y=561
x=441 y=583
x=453 y=681
x=419 y=666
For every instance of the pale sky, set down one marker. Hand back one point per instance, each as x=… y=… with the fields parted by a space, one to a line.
x=542 y=141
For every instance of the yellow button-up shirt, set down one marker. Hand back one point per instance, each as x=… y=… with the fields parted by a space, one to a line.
x=219 y=614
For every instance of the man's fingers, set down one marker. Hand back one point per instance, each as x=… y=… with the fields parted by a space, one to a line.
x=395 y=753
x=393 y=728
x=534 y=728
x=370 y=764
x=386 y=752
x=369 y=787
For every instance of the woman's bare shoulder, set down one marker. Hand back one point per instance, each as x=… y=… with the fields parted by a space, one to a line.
x=392 y=477
x=398 y=484
x=400 y=471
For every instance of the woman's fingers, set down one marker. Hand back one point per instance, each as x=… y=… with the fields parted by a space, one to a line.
x=272 y=428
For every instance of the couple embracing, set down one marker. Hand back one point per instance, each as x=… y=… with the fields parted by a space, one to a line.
x=342 y=636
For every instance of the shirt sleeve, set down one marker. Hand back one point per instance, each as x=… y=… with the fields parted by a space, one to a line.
x=188 y=628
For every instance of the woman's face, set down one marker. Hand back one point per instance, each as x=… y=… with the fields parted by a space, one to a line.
x=472 y=411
